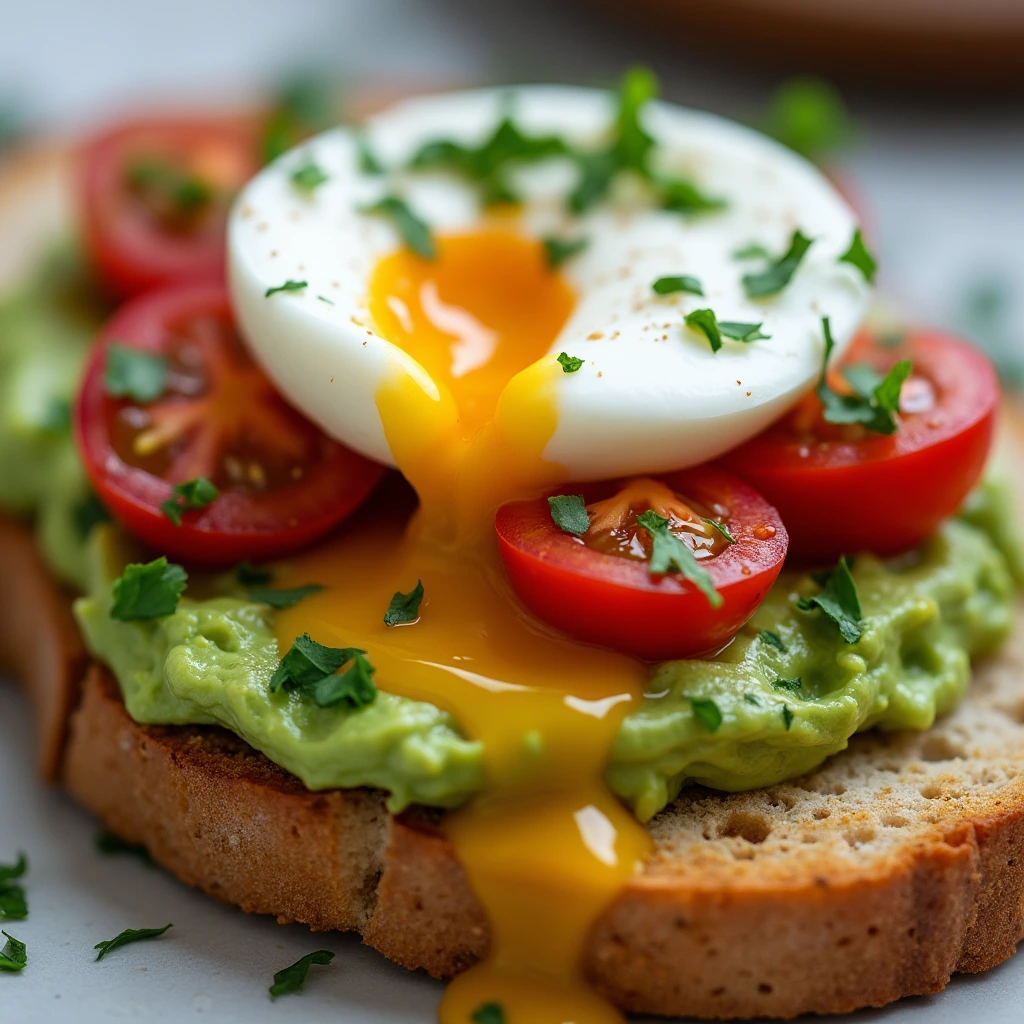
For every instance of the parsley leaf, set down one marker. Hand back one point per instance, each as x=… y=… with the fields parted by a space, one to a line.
x=188 y=496
x=860 y=257
x=772 y=639
x=877 y=399
x=678 y=283
x=670 y=554
x=309 y=177
x=792 y=685
x=304 y=106
x=127 y=936
x=752 y=251
x=111 y=845
x=288 y=287
x=596 y=172
x=721 y=528
x=707 y=711
x=839 y=601
x=283 y=597
x=807 y=115
x=172 y=191
x=13 y=905
x=558 y=250
x=415 y=232
x=88 y=514
x=147 y=591
x=404 y=608
x=14 y=955
x=292 y=978
x=488 y=1013
x=569 y=364
x=775 y=277
x=310 y=668
x=682 y=196
x=787 y=716
x=10 y=872
x=250 y=575
x=130 y=373
x=569 y=513
x=366 y=158
x=705 y=321
x=751 y=698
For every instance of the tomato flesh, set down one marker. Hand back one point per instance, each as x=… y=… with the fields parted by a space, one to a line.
x=844 y=489
x=597 y=588
x=154 y=196
x=282 y=481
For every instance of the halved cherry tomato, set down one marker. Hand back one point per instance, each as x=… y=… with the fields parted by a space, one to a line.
x=844 y=489
x=598 y=587
x=154 y=197
x=282 y=482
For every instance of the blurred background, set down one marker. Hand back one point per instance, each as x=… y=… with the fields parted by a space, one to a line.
x=931 y=148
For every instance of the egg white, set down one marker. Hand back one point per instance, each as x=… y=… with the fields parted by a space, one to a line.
x=651 y=396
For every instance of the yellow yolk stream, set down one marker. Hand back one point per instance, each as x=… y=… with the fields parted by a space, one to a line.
x=546 y=847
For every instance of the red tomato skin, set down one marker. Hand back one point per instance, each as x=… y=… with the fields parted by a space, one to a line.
x=128 y=253
x=234 y=527
x=614 y=602
x=883 y=494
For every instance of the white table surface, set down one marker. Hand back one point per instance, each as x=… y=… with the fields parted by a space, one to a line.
x=942 y=186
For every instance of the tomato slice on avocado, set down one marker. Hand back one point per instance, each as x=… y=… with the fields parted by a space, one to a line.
x=154 y=197
x=212 y=414
x=598 y=587
x=843 y=488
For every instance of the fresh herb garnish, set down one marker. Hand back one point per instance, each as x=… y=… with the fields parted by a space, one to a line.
x=720 y=528
x=129 y=373
x=291 y=979
x=569 y=364
x=304 y=106
x=839 y=601
x=752 y=251
x=111 y=845
x=415 y=232
x=14 y=955
x=775 y=277
x=772 y=639
x=705 y=321
x=558 y=250
x=787 y=716
x=129 y=935
x=324 y=299
x=670 y=554
x=569 y=513
x=13 y=905
x=288 y=288
x=310 y=668
x=488 y=1013
x=795 y=685
x=147 y=591
x=309 y=177
x=808 y=115
x=678 y=283
x=171 y=191
x=877 y=398
x=250 y=575
x=682 y=196
x=187 y=497
x=404 y=608
x=56 y=416
x=366 y=158
x=860 y=257
x=751 y=698
x=10 y=872
x=707 y=711
x=283 y=597
x=88 y=514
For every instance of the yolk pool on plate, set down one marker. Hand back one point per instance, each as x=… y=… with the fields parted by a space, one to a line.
x=546 y=847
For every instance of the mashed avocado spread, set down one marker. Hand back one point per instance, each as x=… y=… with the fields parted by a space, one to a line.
x=786 y=693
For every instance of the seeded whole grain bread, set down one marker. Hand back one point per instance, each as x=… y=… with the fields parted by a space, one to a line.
x=897 y=863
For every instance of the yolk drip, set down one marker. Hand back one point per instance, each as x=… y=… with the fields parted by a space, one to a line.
x=546 y=847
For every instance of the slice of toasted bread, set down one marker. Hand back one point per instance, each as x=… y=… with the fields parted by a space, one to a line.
x=897 y=863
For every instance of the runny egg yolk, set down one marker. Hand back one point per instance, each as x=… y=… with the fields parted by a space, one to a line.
x=545 y=846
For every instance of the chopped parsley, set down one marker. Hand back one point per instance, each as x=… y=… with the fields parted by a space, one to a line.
x=129 y=935
x=112 y=846
x=752 y=251
x=772 y=639
x=187 y=497
x=860 y=257
x=304 y=106
x=569 y=513
x=288 y=288
x=329 y=302
x=678 y=283
x=415 y=232
x=366 y=158
x=705 y=321
x=9 y=872
x=839 y=601
x=88 y=514
x=720 y=528
x=14 y=955
x=707 y=711
x=488 y=1013
x=250 y=575
x=670 y=554
x=778 y=274
x=792 y=685
x=147 y=591
x=310 y=669
x=13 y=905
x=283 y=597
x=558 y=250
x=787 y=716
x=569 y=364
x=130 y=373
x=807 y=114
x=752 y=698
x=309 y=177
x=404 y=608
x=682 y=196
x=292 y=978
x=876 y=399
x=172 y=191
